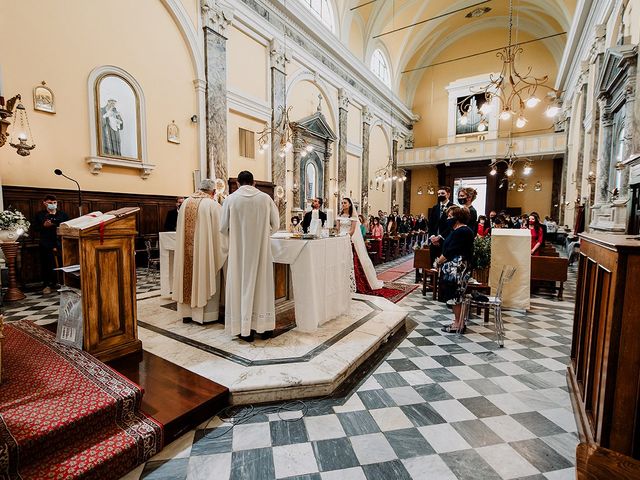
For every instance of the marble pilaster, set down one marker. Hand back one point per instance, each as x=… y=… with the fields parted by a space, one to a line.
x=604 y=154
x=394 y=167
x=327 y=178
x=217 y=16
x=580 y=143
x=630 y=127
x=343 y=109
x=279 y=61
x=367 y=117
x=297 y=145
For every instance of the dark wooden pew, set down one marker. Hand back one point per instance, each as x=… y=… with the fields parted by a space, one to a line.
x=550 y=269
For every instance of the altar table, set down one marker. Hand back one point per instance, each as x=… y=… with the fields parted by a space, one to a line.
x=320 y=274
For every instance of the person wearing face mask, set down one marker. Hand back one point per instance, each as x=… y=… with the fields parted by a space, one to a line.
x=296 y=226
x=46 y=223
x=537 y=234
x=455 y=262
x=466 y=196
x=438 y=229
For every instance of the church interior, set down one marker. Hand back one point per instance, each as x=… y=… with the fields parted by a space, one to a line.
x=299 y=176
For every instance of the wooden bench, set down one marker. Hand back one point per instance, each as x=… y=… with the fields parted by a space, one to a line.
x=423 y=265
x=550 y=269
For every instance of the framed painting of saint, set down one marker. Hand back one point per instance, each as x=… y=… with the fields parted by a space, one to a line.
x=117 y=118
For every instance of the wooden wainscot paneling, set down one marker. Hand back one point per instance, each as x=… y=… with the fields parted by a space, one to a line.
x=150 y=219
x=604 y=373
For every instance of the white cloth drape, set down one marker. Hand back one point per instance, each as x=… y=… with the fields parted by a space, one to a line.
x=249 y=217
x=361 y=250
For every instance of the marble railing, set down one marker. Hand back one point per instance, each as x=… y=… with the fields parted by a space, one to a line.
x=525 y=146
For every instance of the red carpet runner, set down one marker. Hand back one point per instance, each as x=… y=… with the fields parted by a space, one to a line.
x=64 y=414
x=391 y=291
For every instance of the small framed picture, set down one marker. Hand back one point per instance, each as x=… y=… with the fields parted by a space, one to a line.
x=43 y=99
x=173 y=133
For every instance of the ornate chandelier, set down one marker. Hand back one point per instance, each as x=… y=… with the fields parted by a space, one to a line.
x=516 y=92
x=282 y=135
x=510 y=161
x=388 y=174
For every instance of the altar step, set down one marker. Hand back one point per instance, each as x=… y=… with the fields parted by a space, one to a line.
x=175 y=396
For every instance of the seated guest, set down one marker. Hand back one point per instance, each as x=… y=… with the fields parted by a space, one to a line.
x=171 y=221
x=46 y=223
x=316 y=204
x=377 y=233
x=552 y=228
x=403 y=225
x=421 y=223
x=455 y=262
x=295 y=226
x=537 y=234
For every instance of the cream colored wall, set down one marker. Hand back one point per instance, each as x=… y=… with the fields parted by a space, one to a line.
x=61 y=44
x=530 y=200
x=423 y=177
x=247 y=65
x=356 y=40
x=431 y=99
x=354 y=173
x=379 y=151
x=260 y=165
x=354 y=125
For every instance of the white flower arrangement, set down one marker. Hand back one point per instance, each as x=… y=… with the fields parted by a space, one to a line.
x=13 y=220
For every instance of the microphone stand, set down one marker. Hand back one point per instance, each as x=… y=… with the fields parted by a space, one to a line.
x=79 y=191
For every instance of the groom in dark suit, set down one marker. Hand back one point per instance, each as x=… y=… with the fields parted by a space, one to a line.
x=438 y=229
x=316 y=204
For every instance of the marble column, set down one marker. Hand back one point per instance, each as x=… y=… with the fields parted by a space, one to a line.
x=406 y=194
x=297 y=150
x=278 y=57
x=580 y=159
x=630 y=125
x=394 y=167
x=366 y=135
x=327 y=178
x=217 y=16
x=564 y=176
x=343 y=110
x=604 y=154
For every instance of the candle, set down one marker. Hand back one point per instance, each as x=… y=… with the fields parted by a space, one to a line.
x=330 y=221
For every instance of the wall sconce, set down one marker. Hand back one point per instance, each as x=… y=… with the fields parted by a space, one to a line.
x=194 y=118
x=521 y=186
x=335 y=193
x=295 y=187
x=538 y=186
x=429 y=189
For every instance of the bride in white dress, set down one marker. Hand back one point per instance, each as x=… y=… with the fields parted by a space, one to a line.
x=349 y=224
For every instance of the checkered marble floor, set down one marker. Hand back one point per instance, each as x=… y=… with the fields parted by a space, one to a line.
x=439 y=406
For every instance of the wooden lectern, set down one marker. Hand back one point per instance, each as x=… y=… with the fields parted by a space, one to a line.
x=104 y=249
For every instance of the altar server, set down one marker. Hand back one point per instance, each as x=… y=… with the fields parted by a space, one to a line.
x=200 y=253
x=249 y=217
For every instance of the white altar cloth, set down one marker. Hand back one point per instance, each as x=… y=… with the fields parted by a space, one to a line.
x=320 y=276
x=512 y=246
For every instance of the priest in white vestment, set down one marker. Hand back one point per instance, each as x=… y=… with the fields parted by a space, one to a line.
x=249 y=217
x=200 y=253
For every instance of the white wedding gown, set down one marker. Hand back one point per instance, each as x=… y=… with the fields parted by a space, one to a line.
x=361 y=250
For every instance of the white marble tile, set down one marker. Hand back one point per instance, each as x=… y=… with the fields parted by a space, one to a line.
x=369 y=384
x=251 y=435
x=404 y=395
x=469 y=358
x=464 y=373
x=433 y=350
x=292 y=460
x=202 y=466
x=551 y=364
x=506 y=461
x=372 y=448
x=391 y=418
x=416 y=377
x=179 y=448
x=565 y=474
x=554 y=379
x=452 y=410
x=430 y=466
x=507 y=428
x=508 y=403
x=353 y=404
x=425 y=363
x=354 y=473
x=562 y=417
x=510 y=368
x=443 y=438
x=323 y=427
x=509 y=384
x=459 y=389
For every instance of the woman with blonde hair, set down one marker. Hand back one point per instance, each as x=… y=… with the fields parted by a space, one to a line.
x=466 y=196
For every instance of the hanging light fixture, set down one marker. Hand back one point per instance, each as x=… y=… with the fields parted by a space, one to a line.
x=20 y=137
x=510 y=161
x=517 y=92
x=430 y=189
x=388 y=174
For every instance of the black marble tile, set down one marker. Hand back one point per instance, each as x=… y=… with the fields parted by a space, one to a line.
x=538 y=424
x=256 y=464
x=531 y=366
x=175 y=469
x=376 y=399
x=484 y=386
x=447 y=360
x=334 y=454
x=452 y=349
x=420 y=341
x=422 y=415
x=529 y=353
x=432 y=392
x=541 y=455
x=410 y=352
x=481 y=407
x=488 y=371
x=532 y=381
x=286 y=432
x=408 y=443
x=212 y=440
x=358 y=423
x=387 y=470
x=440 y=375
x=308 y=476
x=390 y=380
x=489 y=357
x=404 y=364
x=476 y=433
x=468 y=464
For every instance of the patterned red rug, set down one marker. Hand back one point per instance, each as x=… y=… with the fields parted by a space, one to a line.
x=394 y=291
x=394 y=273
x=64 y=414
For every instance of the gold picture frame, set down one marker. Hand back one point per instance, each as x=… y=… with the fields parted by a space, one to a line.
x=43 y=98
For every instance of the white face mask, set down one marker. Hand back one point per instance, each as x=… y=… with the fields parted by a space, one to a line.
x=52 y=206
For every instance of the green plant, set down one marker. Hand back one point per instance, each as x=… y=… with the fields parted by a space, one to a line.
x=481 y=252
x=13 y=220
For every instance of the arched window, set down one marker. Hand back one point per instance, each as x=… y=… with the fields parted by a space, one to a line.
x=311 y=180
x=323 y=10
x=380 y=67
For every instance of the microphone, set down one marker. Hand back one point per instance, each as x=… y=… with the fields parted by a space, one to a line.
x=58 y=172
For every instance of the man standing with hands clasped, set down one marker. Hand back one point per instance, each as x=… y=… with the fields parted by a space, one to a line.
x=46 y=223
x=438 y=229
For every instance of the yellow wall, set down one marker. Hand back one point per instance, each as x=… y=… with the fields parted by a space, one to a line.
x=356 y=42
x=61 y=44
x=379 y=151
x=259 y=165
x=247 y=63
x=354 y=172
x=530 y=200
x=423 y=177
x=354 y=125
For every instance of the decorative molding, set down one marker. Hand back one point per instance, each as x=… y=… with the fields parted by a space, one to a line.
x=252 y=107
x=278 y=56
x=96 y=164
x=354 y=149
x=217 y=15
x=409 y=140
x=94 y=157
x=367 y=116
x=343 y=99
